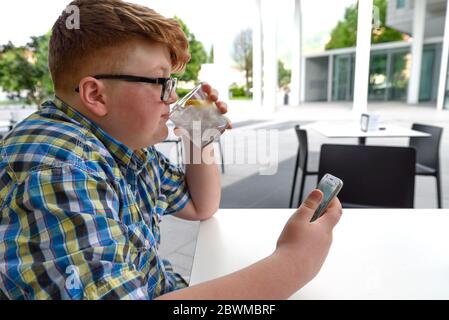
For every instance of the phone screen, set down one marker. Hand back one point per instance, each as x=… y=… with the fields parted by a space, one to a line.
x=330 y=186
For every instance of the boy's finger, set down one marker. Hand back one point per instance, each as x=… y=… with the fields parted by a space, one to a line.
x=332 y=214
x=213 y=94
x=177 y=132
x=222 y=106
x=206 y=87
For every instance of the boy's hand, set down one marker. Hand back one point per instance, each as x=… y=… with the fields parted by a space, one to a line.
x=304 y=244
x=213 y=96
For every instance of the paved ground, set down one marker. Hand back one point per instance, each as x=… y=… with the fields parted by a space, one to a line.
x=259 y=173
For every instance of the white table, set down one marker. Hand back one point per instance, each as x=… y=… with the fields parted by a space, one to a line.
x=376 y=254
x=4 y=123
x=4 y=127
x=352 y=130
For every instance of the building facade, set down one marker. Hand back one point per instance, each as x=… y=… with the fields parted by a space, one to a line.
x=329 y=75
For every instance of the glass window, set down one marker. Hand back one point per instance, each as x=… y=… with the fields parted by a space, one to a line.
x=446 y=99
x=378 y=77
x=427 y=74
x=343 y=77
x=399 y=75
x=400 y=4
x=389 y=75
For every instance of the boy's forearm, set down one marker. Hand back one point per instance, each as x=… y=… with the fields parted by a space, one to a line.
x=203 y=180
x=272 y=278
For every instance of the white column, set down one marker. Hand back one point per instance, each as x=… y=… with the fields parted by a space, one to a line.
x=419 y=16
x=222 y=59
x=270 y=65
x=364 y=25
x=444 y=61
x=302 y=90
x=257 y=54
x=297 y=55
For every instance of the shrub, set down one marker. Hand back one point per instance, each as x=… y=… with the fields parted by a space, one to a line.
x=238 y=91
x=181 y=92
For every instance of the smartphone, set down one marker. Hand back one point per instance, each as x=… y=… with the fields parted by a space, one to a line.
x=330 y=186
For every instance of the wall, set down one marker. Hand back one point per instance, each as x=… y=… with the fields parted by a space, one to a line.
x=316 y=79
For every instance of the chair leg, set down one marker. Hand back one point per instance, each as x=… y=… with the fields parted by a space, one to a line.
x=222 y=156
x=440 y=204
x=179 y=152
x=301 y=190
x=295 y=176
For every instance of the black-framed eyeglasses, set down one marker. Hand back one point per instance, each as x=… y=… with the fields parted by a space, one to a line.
x=168 y=84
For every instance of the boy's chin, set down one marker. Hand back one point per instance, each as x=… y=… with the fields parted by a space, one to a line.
x=155 y=139
x=162 y=135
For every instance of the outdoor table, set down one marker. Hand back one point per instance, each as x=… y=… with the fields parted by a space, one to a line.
x=4 y=124
x=352 y=130
x=376 y=253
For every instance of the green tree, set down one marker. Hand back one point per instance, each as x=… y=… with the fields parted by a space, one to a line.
x=243 y=54
x=345 y=32
x=39 y=47
x=24 y=74
x=197 y=52
x=210 y=59
x=15 y=72
x=284 y=75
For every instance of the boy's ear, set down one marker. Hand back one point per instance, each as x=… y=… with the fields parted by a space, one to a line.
x=93 y=95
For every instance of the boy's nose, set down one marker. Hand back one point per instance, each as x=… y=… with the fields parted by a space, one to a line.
x=173 y=97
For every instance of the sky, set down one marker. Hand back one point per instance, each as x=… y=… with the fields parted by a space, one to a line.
x=207 y=19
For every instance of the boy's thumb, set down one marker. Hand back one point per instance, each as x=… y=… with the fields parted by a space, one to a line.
x=311 y=203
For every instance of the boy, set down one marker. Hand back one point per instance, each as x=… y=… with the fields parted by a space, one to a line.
x=83 y=190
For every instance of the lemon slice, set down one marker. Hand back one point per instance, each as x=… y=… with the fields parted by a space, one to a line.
x=197 y=103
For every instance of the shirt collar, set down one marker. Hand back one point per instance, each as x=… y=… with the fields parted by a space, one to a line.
x=135 y=160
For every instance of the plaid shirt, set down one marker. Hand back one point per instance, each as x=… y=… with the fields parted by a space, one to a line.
x=80 y=212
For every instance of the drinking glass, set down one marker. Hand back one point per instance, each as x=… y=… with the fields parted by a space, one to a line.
x=199 y=117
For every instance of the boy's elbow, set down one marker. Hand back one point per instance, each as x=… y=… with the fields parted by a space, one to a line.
x=193 y=212
x=206 y=213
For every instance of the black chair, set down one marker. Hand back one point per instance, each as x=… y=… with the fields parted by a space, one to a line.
x=302 y=157
x=428 y=154
x=373 y=176
x=221 y=155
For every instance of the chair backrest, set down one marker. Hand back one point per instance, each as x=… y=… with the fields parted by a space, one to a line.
x=373 y=176
x=303 y=147
x=427 y=149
